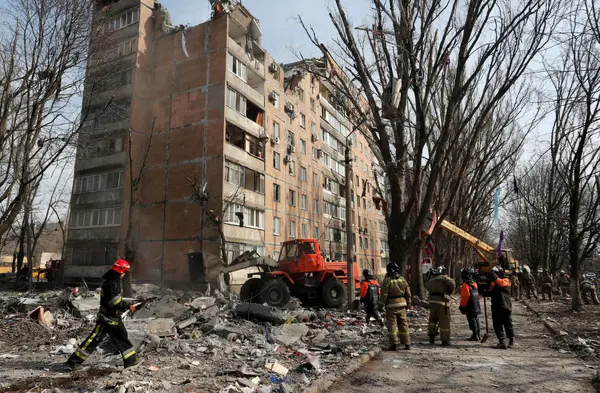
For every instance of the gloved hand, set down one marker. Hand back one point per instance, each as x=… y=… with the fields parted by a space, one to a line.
x=132 y=308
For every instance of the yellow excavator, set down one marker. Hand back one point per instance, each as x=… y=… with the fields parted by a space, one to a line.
x=487 y=253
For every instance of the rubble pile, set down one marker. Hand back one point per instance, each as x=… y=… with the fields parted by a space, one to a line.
x=198 y=341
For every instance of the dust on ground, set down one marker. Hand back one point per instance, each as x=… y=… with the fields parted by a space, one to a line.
x=532 y=366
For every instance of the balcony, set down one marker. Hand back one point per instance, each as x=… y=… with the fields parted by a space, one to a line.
x=113 y=160
x=253 y=64
x=252 y=93
x=239 y=155
x=244 y=123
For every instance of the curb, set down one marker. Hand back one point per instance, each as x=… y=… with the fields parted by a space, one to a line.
x=548 y=325
x=322 y=384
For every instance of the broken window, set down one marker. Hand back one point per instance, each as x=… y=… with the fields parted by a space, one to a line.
x=276 y=192
x=236 y=101
x=237 y=67
x=255 y=146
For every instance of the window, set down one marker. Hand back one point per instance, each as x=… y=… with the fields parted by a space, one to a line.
x=292 y=198
x=315 y=153
x=252 y=218
x=96 y=218
x=237 y=67
x=360 y=146
x=127 y=47
x=233 y=250
x=313 y=105
x=303 y=174
x=316 y=206
x=124 y=20
x=276 y=130
x=292 y=228
x=302 y=146
x=313 y=128
x=366 y=243
x=315 y=180
x=235 y=174
x=290 y=139
x=276 y=226
x=276 y=192
x=255 y=146
x=360 y=242
x=292 y=168
x=317 y=233
x=236 y=101
x=115 y=145
x=304 y=202
x=275 y=100
x=99 y=182
x=304 y=230
x=276 y=160
x=302 y=120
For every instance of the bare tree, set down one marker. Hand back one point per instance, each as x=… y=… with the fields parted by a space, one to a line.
x=397 y=74
x=44 y=47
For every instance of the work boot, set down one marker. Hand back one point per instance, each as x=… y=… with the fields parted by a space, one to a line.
x=511 y=342
x=445 y=343
x=393 y=347
x=474 y=337
x=72 y=366
x=407 y=347
x=431 y=339
x=133 y=364
x=501 y=345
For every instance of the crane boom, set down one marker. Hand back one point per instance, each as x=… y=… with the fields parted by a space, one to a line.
x=479 y=245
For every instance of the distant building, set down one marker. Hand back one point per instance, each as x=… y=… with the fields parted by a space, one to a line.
x=268 y=139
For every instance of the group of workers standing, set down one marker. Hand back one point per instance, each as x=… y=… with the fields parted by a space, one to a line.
x=524 y=284
x=395 y=298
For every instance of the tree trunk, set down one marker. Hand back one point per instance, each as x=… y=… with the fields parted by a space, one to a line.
x=20 y=255
x=417 y=285
x=398 y=248
x=576 y=301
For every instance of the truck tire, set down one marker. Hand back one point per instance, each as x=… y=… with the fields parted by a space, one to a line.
x=333 y=293
x=250 y=291
x=275 y=293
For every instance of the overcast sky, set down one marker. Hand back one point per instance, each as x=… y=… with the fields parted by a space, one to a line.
x=278 y=21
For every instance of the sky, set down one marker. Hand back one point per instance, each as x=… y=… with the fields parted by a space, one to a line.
x=282 y=33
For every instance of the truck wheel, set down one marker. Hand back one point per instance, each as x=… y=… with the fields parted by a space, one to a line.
x=250 y=291
x=275 y=293
x=333 y=293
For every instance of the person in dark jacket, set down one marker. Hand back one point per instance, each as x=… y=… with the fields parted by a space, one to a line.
x=369 y=296
x=469 y=302
x=501 y=308
x=109 y=320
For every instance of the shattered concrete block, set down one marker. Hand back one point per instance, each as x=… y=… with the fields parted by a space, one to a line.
x=164 y=308
x=84 y=306
x=258 y=311
x=276 y=367
x=161 y=327
x=202 y=303
x=217 y=326
x=186 y=323
x=290 y=334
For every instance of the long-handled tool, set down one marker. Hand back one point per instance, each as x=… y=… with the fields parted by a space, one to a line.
x=485 y=336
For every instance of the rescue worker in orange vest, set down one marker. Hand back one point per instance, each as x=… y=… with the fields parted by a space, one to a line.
x=502 y=308
x=469 y=302
x=369 y=297
x=440 y=288
x=109 y=320
x=395 y=297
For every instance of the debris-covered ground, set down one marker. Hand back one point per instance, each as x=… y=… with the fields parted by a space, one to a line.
x=189 y=342
x=578 y=331
x=533 y=366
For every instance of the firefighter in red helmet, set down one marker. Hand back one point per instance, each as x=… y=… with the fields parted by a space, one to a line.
x=109 y=320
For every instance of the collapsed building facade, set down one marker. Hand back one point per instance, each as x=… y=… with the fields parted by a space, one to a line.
x=221 y=143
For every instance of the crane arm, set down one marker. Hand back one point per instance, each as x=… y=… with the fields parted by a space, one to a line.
x=480 y=246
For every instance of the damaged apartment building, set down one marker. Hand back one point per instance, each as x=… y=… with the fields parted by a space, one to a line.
x=187 y=108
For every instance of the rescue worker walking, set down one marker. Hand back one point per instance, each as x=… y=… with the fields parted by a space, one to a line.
x=501 y=308
x=440 y=288
x=395 y=297
x=528 y=283
x=588 y=290
x=546 y=286
x=109 y=320
x=515 y=286
x=564 y=282
x=469 y=302
x=369 y=296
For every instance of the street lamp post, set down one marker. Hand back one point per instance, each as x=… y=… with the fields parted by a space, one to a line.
x=349 y=229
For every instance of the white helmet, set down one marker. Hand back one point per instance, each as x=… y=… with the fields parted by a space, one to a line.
x=526 y=269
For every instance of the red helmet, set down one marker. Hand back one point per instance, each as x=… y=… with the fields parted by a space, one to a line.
x=121 y=266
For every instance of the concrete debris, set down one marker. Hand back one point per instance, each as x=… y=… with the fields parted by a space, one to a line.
x=84 y=306
x=161 y=327
x=259 y=312
x=188 y=322
x=202 y=303
x=276 y=367
x=166 y=307
x=290 y=334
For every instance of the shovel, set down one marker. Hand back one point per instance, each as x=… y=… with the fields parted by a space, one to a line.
x=485 y=336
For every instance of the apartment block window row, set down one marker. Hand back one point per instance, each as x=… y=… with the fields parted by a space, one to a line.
x=253 y=218
x=333 y=164
x=103 y=181
x=126 y=48
x=95 y=255
x=123 y=20
x=383 y=227
x=334 y=187
x=332 y=141
x=334 y=122
x=249 y=143
x=101 y=115
x=247 y=178
x=335 y=235
x=334 y=211
x=108 y=217
x=236 y=66
x=233 y=250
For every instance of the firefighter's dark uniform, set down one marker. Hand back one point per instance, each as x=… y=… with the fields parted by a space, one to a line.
x=546 y=286
x=108 y=322
x=564 y=282
x=469 y=305
x=502 y=310
x=515 y=286
x=395 y=296
x=528 y=284
x=369 y=295
x=588 y=292
x=440 y=288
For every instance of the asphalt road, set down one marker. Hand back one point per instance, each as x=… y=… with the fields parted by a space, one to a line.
x=532 y=366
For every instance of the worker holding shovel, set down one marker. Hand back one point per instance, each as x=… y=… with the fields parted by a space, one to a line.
x=502 y=308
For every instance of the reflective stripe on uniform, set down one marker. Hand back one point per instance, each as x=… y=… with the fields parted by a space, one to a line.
x=442 y=302
x=92 y=337
x=129 y=353
x=116 y=300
